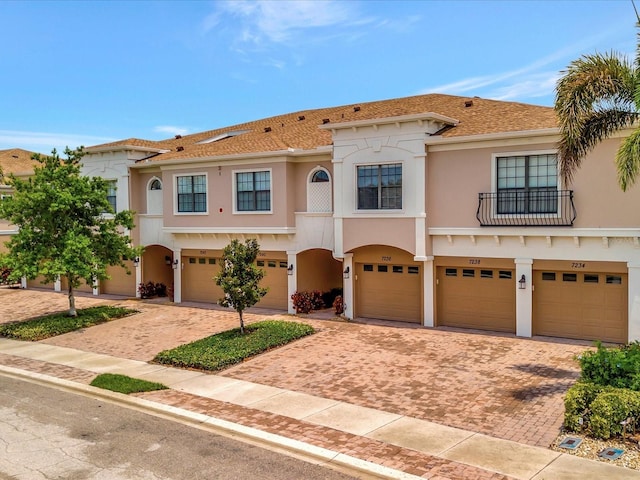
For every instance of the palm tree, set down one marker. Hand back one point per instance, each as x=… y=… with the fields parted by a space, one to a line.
x=597 y=96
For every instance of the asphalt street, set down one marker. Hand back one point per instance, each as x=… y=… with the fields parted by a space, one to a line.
x=46 y=433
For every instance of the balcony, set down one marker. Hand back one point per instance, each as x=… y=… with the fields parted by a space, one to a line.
x=526 y=208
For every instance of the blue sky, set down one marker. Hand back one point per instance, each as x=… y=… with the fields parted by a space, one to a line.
x=82 y=73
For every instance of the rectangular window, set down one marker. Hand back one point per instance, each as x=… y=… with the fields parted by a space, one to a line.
x=192 y=260
x=590 y=278
x=527 y=184
x=368 y=268
x=212 y=261
x=192 y=193
x=271 y=264
x=451 y=272
x=260 y=263
x=413 y=270
x=614 y=279
x=284 y=265
x=398 y=269
x=202 y=261
x=505 y=274
x=569 y=277
x=486 y=273
x=383 y=268
x=253 y=191
x=380 y=187
x=550 y=276
x=111 y=194
x=468 y=272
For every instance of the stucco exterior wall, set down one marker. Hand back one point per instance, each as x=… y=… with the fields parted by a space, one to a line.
x=394 y=232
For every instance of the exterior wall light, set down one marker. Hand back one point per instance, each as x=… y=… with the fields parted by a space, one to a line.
x=174 y=265
x=136 y=262
x=167 y=260
x=345 y=274
x=522 y=283
x=290 y=270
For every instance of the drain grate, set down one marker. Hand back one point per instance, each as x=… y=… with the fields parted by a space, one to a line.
x=571 y=443
x=611 y=453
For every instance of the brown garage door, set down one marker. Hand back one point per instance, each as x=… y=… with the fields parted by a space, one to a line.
x=197 y=279
x=120 y=283
x=587 y=306
x=389 y=292
x=276 y=279
x=482 y=298
x=37 y=283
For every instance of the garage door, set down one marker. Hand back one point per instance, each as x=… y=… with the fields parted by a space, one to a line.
x=64 y=286
x=197 y=279
x=37 y=283
x=587 y=306
x=389 y=292
x=481 y=298
x=276 y=279
x=120 y=283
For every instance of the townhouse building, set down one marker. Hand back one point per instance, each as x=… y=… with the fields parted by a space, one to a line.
x=434 y=209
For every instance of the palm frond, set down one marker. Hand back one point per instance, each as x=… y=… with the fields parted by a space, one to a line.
x=594 y=98
x=628 y=160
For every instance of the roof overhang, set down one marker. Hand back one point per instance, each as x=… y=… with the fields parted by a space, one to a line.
x=421 y=117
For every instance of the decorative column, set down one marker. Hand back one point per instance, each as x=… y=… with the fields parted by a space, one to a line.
x=348 y=278
x=138 y=273
x=57 y=285
x=524 y=297
x=292 y=280
x=634 y=301
x=177 y=275
x=429 y=292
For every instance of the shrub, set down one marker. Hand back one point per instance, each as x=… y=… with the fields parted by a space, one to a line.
x=618 y=367
x=338 y=305
x=610 y=409
x=150 y=290
x=576 y=405
x=329 y=297
x=305 y=301
x=5 y=273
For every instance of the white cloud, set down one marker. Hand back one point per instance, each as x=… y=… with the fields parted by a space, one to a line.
x=171 y=130
x=265 y=20
x=44 y=142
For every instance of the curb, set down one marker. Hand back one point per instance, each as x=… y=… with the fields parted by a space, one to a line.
x=305 y=451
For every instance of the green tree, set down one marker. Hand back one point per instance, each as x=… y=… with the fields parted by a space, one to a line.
x=239 y=277
x=596 y=96
x=66 y=226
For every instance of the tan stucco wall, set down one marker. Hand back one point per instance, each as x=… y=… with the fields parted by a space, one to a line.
x=395 y=232
x=318 y=270
x=456 y=177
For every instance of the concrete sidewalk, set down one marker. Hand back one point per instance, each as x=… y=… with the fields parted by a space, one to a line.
x=421 y=449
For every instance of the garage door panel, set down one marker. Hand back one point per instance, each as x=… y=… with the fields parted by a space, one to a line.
x=120 y=283
x=277 y=281
x=476 y=298
x=593 y=307
x=197 y=280
x=389 y=292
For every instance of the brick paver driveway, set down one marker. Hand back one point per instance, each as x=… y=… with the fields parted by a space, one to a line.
x=503 y=386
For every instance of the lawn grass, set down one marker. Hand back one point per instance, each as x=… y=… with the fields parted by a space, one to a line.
x=58 y=323
x=228 y=348
x=124 y=384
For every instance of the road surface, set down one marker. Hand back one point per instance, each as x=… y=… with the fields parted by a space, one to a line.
x=47 y=434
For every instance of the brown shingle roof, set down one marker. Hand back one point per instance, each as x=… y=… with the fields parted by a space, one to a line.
x=16 y=161
x=300 y=130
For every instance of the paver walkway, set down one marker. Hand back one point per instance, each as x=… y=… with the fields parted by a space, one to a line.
x=503 y=386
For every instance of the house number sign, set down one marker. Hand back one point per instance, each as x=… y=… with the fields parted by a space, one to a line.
x=474 y=261
x=578 y=265
x=386 y=259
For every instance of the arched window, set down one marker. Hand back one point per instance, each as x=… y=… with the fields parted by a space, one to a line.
x=156 y=185
x=320 y=176
x=319 y=191
x=154 y=197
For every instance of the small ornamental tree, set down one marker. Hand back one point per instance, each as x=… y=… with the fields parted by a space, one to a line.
x=66 y=226
x=239 y=277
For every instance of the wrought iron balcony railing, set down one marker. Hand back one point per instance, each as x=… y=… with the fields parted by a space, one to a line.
x=534 y=207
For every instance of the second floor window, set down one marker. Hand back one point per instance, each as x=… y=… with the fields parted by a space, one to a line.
x=253 y=191
x=111 y=194
x=192 y=193
x=380 y=187
x=527 y=184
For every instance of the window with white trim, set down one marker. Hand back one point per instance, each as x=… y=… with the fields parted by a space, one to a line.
x=253 y=191
x=111 y=194
x=192 y=193
x=527 y=184
x=380 y=187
